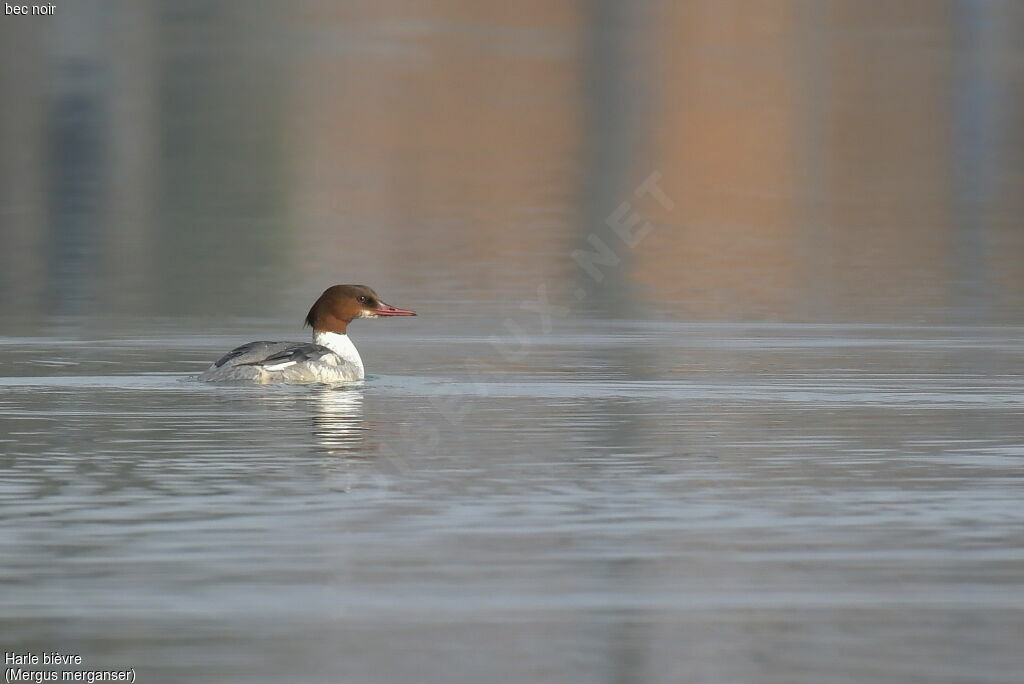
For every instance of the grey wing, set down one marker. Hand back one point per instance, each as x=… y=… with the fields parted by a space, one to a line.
x=250 y=352
x=289 y=354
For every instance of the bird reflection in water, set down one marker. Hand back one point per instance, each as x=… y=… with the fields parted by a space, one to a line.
x=338 y=423
x=341 y=433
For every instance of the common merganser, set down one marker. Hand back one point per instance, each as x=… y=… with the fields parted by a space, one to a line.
x=330 y=358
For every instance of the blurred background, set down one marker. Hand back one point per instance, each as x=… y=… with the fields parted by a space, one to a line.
x=825 y=159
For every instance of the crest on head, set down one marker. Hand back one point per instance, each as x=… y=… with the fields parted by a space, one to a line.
x=339 y=305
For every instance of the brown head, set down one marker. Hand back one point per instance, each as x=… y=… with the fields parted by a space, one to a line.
x=339 y=304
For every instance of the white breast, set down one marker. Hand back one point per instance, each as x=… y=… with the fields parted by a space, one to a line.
x=343 y=347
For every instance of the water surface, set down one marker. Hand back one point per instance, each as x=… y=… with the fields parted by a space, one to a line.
x=639 y=501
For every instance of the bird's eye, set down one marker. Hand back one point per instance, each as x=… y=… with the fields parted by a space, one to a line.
x=363 y=299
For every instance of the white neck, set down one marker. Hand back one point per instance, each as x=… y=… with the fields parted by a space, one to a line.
x=341 y=345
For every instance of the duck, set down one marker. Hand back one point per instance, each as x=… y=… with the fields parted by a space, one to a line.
x=331 y=357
